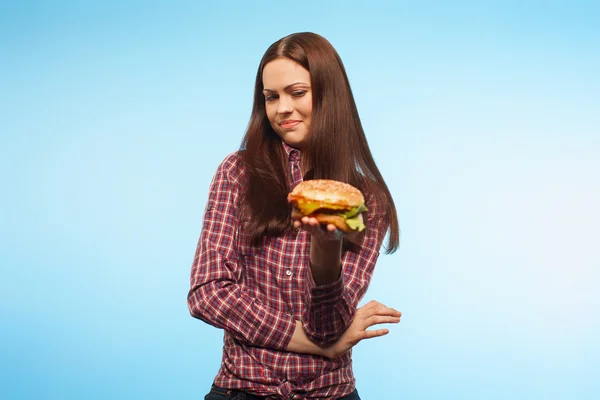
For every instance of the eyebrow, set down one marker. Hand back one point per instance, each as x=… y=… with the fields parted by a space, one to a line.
x=287 y=87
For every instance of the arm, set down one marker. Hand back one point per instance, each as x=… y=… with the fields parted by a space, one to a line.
x=336 y=286
x=215 y=296
x=372 y=313
x=300 y=343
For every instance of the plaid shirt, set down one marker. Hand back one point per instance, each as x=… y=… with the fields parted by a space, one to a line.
x=255 y=294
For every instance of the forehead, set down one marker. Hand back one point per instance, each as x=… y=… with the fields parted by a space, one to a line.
x=282 y=72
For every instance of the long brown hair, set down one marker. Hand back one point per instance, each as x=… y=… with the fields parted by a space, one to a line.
x=336 y=147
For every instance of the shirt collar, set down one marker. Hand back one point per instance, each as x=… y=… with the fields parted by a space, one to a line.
x=292 y=153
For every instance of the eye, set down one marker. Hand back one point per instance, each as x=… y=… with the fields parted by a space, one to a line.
x=271 y=97
x=298 y=93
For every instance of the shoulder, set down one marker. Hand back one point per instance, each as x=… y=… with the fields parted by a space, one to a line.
x=377 y=208
x=232 y=168
x=374 y=204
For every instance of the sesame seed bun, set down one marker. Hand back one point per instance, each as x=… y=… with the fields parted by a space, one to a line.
x=327 y=192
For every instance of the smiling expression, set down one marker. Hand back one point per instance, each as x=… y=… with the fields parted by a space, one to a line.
x=288 y=100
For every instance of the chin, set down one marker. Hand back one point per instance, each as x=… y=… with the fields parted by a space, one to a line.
x=296 y=144
x=294 y=140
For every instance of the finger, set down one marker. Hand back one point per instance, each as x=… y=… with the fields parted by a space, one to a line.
x=379 y=319
x=375 y=333
x=372 y=303
x=334 y=233
x=308 y=224
x=390 y=311
x=312 y=225
x=376 y=308
x=368 y=309
x=384 y=310
x=313 y=222
x=328 y=231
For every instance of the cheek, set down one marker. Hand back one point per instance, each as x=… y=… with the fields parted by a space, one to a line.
x=270 y=112
x=307 y=107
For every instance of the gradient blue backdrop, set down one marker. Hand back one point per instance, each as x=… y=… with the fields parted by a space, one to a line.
x=483 y=117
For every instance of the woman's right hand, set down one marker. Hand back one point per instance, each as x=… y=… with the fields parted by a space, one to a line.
x=372 y=313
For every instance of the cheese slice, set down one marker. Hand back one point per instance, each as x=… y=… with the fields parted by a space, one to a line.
x=308 y=207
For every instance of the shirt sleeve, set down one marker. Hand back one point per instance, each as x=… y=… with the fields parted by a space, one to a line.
x=330 y=308
x=215 y=295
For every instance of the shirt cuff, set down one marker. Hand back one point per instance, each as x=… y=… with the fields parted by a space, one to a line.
x=325 y=294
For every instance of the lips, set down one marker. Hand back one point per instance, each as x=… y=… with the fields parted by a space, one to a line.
x=288 y=124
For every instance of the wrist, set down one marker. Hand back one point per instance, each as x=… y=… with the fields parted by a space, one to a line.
x=326 y=254
x=326 y=245
x=330 y=351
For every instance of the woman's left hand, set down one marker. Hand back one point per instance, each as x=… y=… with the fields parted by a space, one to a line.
x=318 y=230
x=325 y=232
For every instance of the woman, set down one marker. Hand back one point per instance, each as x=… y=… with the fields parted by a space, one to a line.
x=286 y=292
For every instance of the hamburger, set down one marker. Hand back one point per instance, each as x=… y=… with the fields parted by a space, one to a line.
x=330 y=202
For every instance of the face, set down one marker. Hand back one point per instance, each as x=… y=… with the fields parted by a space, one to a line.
x=288 y=100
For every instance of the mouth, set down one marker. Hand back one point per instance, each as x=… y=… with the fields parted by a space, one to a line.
x=288 y=124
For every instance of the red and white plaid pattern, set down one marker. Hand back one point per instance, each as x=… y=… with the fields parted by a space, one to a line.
x=255 y=294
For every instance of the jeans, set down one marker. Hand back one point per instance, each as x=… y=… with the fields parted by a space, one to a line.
x=217 y=393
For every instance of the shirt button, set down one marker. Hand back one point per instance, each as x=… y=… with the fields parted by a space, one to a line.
x=288 y=272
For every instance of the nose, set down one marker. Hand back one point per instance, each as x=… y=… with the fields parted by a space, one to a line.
x=285 y=105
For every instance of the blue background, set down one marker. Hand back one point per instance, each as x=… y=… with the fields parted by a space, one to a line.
x=483 y=117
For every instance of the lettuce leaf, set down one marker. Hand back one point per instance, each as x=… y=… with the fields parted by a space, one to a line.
x=356 y=223
x=355 y=211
